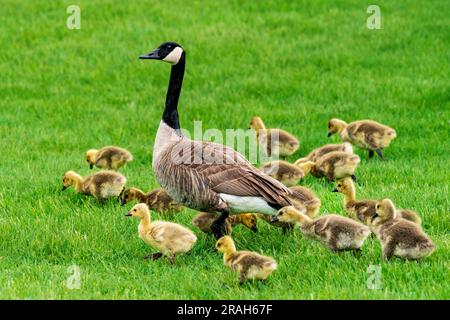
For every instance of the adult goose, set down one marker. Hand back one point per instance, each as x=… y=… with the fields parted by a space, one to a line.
x=206 y=176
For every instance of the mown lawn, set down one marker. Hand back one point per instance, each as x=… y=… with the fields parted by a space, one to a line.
x=294 y=63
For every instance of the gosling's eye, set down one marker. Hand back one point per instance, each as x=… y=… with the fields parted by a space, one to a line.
x=280 y=214
x=134 y=210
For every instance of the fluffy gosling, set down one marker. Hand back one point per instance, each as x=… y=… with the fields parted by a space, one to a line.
x=336 y=165
x=276 y=142
x=110 y=158
x=248 y=265
x=319 y=152
x=364 y=210
x=365 y=134
x=287 y=173
x=336 y=232
x=204 y=220
x=168 y=237
x=399 y=237
x=157 y=200
x=302 y=196
x=102 y=185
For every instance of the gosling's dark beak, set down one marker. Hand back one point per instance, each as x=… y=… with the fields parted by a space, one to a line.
x=91 y=166
x=152 y=55
x=335 y=190
x=274 y=219
x=63 y=188
x=128 y=214
x=375 y=216
x=329 y=134
x=255 y=229
x=122 y=202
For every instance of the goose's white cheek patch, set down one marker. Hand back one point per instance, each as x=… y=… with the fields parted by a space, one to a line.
x=174 y=56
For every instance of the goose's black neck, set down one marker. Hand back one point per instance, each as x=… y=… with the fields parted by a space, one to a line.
x=170 y=115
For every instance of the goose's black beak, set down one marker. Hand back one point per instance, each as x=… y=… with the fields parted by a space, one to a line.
x=152 y=55
x=63 y=188
x=329 y=134
x=91 y=166
x=335 y=190
x=128 y=214
x=274 y=219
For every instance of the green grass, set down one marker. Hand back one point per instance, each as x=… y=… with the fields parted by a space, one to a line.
x=294 y=63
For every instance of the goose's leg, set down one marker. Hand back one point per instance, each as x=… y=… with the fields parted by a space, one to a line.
x=218 y=227
x=380 y=153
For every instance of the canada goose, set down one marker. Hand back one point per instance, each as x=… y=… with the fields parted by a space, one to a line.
x=287 y=173
x=248 y=265
x=157 y=200
x=318 y=152
x=168 y=237
x=276 y=142
x=204 y=220
x=364 y=210
x=206 y=176
x=110 y=158
x=399 y=237
x=365 y=134
x=102 y=185
x=337 y=232
x=336 y=165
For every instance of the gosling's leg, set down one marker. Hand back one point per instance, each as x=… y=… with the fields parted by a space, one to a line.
x=218 y=226
x=380 y=153
x=371 y=153
x=353 y=177
x=154 y=256
x=171 y=259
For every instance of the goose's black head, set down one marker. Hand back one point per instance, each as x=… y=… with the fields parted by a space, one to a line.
x=170 y=52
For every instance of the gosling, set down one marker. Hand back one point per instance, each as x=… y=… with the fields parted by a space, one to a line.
x=204 y=220
x=304 y=200
x=336 y=232
x=399 y=237
x=302 y=196
x=287 y=173
x=248 y=265
x=168 y=237
x=364 y=210
x=365 y=134
x=102 y=185
x=110 y=158
x=157 y=200
x=319 y=152
x=275 y=142
x=336 y=165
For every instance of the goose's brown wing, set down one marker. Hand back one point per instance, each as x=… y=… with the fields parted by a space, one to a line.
x=224 y=170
